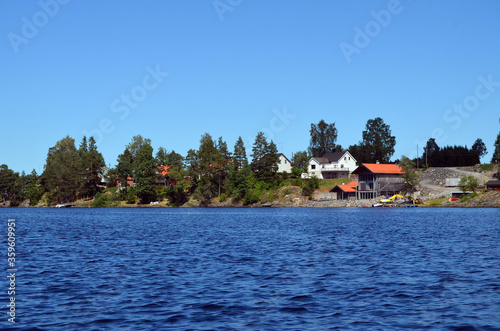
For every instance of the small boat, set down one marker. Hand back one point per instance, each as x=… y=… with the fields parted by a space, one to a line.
x=376 y=205
x=62 y=205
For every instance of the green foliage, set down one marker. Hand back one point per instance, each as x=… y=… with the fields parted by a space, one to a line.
x=61 y=175
x=211 y=166
x=223 y=197
x=102 y=200
x=377 y=144
x=130 y=196
x=145 y=174
x=91 y=164
x=177 y=195
x=264 y=159
x=450 y=156
x=34 y=190
x=466 y=197
x=239 y=154
x=7 y=180
x=409 y=175
x=479 y=147
x=468 y=183
x=496 y=152
x=323 y=138
x=309 y=185
x=300 y=160
x=252 y=196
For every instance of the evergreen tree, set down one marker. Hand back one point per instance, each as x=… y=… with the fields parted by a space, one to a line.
x=145 y=174
x=19 y=190
x=175 y=160
x=93 y=164
x=192 y=169
x=431 y=153
x=221 y=164
x=7 y=180
x=124 y=169
x=239 y=154
x=209 y=161
x=162 y=157
x=496 y=153
x=264 y=159
x=259 y=150
x=271 y=162
x=34 y=190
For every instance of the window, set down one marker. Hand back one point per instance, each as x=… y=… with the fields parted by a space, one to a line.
x=313 y=166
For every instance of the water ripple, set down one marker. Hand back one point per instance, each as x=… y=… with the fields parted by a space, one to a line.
x=272 y=269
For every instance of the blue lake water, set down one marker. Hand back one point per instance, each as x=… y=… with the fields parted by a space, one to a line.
x=254 y=269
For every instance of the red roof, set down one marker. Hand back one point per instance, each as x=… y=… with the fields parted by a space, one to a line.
x=377 y=168
x=164 y=170
x=351 y=187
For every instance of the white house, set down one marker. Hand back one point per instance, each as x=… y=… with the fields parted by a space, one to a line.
x=284 y=164
x=331 y=165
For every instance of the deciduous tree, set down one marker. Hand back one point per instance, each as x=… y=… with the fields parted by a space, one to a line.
x=409 y=175
x=62 y=171
x=479 y=147
x=300 y=160
x=377 y=141
x=323 y=138
x=145 y=174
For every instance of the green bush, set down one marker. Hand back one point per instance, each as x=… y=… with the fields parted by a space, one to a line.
x=101 y=200
x=130 y=197
x=467 y=197
x=223 y=197
x=252 y=196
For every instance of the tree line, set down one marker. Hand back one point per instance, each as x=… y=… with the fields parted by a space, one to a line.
x=212 y=170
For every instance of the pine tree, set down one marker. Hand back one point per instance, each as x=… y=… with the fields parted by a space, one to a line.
x=496 y=153
x=259 y=150
x=94 y=162
x=208 y=163
x=239 y=154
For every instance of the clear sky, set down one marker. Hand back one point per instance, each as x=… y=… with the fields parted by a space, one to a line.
x=173 y=70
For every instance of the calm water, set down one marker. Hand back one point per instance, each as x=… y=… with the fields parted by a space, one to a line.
x=255 y=269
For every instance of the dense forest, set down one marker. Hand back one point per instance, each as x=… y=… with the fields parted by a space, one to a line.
x=210 y=171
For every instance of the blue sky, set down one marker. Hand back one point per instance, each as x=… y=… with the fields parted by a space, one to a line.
x=173 y=70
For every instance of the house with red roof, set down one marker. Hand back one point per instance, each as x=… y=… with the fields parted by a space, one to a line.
x=346 y=191
x=376 y=179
